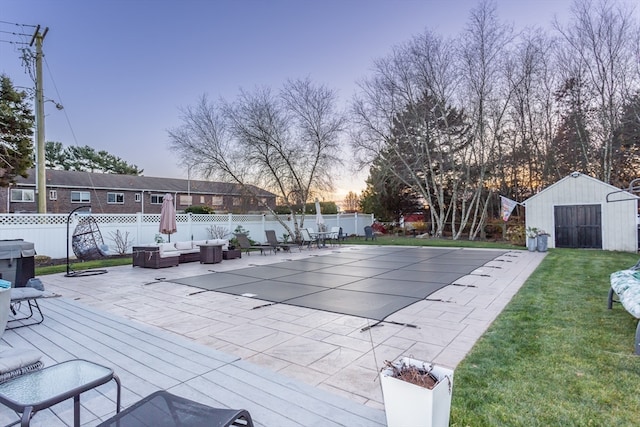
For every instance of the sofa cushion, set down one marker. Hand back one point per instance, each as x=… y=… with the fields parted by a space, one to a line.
x=181 y=246
x=196 y=243
x=167 y=247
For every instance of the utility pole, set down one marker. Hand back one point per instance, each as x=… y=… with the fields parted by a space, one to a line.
x=41 y=181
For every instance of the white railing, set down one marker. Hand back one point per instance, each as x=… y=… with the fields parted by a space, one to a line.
x=48 y=232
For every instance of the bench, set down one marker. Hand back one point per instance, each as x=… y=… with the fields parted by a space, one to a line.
x=626 y=285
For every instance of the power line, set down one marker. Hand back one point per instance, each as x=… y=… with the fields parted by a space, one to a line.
x=19 y=25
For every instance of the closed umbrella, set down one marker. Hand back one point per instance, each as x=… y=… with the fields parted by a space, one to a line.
x=319 y=218
x=168 y=216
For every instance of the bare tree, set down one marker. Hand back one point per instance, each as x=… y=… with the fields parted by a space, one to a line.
x=602 y=41
x=351 y=202
x=486 y=94
x=286 y=143
x=404 y=120
x=531 y=117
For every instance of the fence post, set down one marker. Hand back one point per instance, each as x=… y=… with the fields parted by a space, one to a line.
x=355 y=222
x=138 y=228
x=230 y=215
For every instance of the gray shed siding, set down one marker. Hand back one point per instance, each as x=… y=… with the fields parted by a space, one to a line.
x=619 y=219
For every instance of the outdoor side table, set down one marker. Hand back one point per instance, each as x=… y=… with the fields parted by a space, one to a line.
x=163 y=409
x=210 y=254
x=37 y=390
x=232 y=254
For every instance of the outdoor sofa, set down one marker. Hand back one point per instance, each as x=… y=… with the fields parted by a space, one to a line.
x=171 y=254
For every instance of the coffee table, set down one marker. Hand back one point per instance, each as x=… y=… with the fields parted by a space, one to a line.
x=34 y=391
x=210 y=254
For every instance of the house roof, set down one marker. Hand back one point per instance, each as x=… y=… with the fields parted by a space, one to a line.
x=578 y=175
x=108 y=181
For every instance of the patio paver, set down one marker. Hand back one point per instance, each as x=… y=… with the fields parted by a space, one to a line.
x=316 y=353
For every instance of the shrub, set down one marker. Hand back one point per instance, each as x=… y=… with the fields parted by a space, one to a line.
x=199 y=210
x=516 y=234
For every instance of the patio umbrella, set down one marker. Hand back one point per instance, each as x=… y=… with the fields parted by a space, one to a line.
x=168 y=216
x=319 y=218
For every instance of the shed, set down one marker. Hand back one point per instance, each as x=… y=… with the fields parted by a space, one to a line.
x=583 y=212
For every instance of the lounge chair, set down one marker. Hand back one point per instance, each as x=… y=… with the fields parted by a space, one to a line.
x=25 y=310
x=273 y=241
x=177 y=410
x=245 y=245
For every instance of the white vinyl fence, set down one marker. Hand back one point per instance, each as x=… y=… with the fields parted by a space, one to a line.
x=50 y=232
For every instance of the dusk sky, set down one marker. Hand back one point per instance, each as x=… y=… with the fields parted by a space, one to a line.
x=124 y=68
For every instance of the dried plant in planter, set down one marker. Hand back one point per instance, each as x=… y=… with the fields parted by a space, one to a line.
x=420 y=376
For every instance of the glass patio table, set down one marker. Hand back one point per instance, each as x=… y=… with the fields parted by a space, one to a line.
x=34 y=391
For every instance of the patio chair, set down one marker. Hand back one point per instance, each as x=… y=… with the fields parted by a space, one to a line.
x=306 y=238
x=86 y=242
x=336 y=235
x=245 y=244
x=273 y=241
x=368 y=233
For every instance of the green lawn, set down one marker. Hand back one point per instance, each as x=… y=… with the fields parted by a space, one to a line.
x=555 y=356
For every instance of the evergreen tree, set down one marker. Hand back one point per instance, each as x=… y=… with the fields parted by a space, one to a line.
x=16 y=131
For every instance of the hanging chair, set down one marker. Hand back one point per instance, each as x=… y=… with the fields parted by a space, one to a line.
x=87 y=240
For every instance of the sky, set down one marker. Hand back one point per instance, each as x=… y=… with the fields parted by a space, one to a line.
x=123 y=69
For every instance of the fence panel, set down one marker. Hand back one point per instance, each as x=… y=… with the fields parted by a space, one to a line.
x=50 y=232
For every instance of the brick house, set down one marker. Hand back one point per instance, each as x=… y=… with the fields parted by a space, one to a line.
x=111 y=193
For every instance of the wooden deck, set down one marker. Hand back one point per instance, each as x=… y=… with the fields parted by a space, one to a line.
x=148 y=359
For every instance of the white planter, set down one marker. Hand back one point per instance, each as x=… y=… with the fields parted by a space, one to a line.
x=532 y=244
x=409 y=405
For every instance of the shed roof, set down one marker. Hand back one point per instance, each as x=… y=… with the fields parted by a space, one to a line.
x=578 y=175
x=109 y=181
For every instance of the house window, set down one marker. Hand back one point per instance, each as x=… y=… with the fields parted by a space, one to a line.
x=53 y=194
x=202 y=200
x=185 y=200
x=80 y=197
x=18 y=195
x=237 y=201
x=117 y=198
x=156 y=199
x=217 y=201
x=138 y=197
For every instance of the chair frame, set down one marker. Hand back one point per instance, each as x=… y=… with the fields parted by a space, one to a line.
x=273 y=241
x=30 y=298
x=245 y=245
x=306 y=238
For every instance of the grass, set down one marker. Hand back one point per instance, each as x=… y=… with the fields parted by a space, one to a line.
x=80 y=265
x=554 y=357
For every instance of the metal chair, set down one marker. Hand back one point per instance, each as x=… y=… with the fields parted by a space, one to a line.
x=306 y=238
x=368 y=233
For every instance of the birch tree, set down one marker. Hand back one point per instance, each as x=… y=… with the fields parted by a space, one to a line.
x=484 y=51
